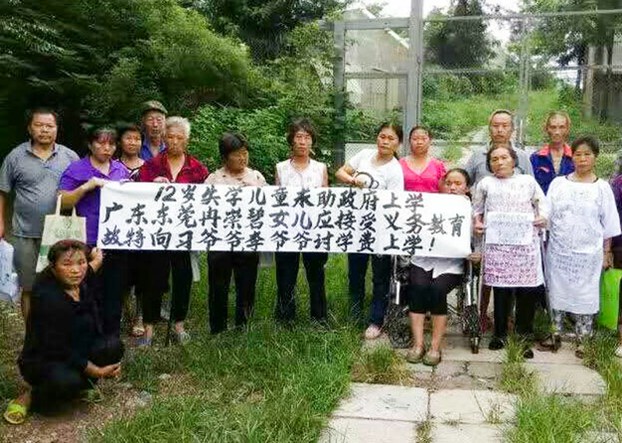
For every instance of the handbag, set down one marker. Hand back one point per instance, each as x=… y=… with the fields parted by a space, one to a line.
x=58 y=227
x=609 y=298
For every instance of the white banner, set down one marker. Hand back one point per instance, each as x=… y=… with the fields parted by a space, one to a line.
x=147 y=216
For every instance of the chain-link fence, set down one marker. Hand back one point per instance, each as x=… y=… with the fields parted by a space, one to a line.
x=472 y=65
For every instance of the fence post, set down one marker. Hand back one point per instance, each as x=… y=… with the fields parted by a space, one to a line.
x=415 y=66
x=524 y=81
x=339 y=79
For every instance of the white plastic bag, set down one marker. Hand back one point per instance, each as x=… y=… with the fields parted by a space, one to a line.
x=9 y=286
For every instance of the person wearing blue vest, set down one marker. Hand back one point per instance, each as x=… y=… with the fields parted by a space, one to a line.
x=555 y=158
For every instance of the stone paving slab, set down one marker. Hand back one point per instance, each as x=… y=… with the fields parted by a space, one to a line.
x=356 y=430
x=567 y=379
x=565 y=355
x=463 y=433
x=385 y=402
x=471 y=407
x=483 y=369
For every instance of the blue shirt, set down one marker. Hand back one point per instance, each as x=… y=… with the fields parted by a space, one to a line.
x=543 y=169
x=145 y=152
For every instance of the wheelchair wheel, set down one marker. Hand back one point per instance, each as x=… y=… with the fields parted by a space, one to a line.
x=474 y=345
x=397 y=326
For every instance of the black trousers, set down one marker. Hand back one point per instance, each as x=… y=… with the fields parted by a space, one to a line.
x=111 y=284
x=287 y=264
x=55 y=382
x=428 y=294
x=526 y=298
x=154 y=285
x=243 y=266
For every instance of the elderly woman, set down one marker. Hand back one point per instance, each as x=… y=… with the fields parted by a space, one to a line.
x=174 y=165
x=511 y=265
x=302 y=171
x=583 y=221
x=380 y=167
x=422 y=172
x=221 y=264
x=80 y=188
x=65 y=351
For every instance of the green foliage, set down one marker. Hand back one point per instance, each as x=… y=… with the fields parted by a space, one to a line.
x=99 y=60
x=461 y=43
x=379 y=365
x=265 y=26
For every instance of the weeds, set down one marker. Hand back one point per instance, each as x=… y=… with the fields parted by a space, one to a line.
x=424 y=432
x=379 y=365
x=515 y=377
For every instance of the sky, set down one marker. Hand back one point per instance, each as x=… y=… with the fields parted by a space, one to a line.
x=401 y=8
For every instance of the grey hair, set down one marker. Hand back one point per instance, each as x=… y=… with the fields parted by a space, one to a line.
x=181 y=122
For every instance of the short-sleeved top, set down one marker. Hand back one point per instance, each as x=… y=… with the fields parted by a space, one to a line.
x=477 y=169
x=193 y=171
x=389 y=175
x=251 y=177
x=76 y=175
x=35 y=182
x=426 y=180
x=310 y=177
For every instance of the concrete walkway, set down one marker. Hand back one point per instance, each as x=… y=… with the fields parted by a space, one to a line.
x=457 y=401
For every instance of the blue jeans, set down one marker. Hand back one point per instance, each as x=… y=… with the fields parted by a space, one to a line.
x=381 y=279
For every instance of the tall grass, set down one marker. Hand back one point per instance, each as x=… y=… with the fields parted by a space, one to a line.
x=263 y=383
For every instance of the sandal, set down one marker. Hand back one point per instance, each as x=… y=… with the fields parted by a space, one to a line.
x=415 y=355
x=432 y=360
x=15 y=413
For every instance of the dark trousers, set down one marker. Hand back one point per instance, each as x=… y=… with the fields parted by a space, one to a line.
x=428 y=294
x=55 y=382
x=381 y=279
x=526 y=299
x=287 y=264
x=112 y=280
x=243 y=266
x=156 y=281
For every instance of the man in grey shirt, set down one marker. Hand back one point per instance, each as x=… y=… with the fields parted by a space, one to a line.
x=500 y=127
x=32 y=170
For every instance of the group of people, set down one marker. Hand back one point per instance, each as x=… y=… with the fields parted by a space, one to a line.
x=73 y=308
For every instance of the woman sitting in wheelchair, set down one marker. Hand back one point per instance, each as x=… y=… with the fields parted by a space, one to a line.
x=430 y=280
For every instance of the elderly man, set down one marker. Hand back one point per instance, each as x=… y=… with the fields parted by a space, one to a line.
x=153 y=123
x=500 y=127
x=32 y=170
x=555 y=158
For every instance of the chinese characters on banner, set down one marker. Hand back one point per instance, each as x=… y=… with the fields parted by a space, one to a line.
x=151 y=216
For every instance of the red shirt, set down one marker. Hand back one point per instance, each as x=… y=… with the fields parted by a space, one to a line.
x=193 y=171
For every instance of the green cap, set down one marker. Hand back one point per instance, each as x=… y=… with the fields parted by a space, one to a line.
x=153 y=105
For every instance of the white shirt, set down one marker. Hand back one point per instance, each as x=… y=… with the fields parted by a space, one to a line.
x=389 y=175
x=310 y=177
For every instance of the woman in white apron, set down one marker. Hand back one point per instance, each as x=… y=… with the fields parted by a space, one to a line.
x=583 y=220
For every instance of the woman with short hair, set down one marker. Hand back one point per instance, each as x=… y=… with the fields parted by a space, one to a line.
x=80 y=188
x=300 y=170
x=65 y=350
x=174 y=165
x=510 y=266
x=422 y=172
x=583 y=221
x=233 y=150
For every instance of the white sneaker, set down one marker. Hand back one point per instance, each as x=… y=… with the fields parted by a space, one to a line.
x=372 y=332
x=619 y=351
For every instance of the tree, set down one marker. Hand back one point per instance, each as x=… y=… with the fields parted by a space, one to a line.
x=98 y=60
x=264 y=25
x=459 y=43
